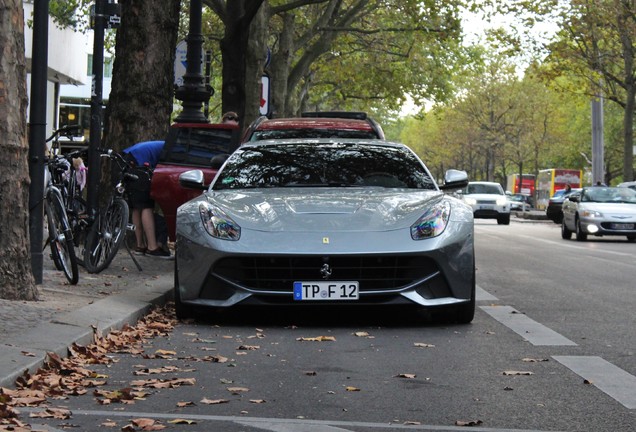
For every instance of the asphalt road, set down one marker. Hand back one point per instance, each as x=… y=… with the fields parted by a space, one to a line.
x=551 y=348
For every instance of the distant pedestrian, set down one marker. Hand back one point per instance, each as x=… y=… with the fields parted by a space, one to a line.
x=230 y=117
x=144 y=156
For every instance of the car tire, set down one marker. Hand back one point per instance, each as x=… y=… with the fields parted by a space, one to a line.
x=580 y=235
x=182 y=311
x=631 y=238
x=504 y=219
x=566 y=234
x=465 y=313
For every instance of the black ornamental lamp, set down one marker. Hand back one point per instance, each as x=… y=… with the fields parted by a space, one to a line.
x=194 y=92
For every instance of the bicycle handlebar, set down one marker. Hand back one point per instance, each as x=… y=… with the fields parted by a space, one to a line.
x=68 y=131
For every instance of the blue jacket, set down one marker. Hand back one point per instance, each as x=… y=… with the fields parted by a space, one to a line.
x=146 y=152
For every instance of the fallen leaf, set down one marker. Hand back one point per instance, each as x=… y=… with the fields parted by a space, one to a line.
x=361 y=334
x=352 y=389
x=423 y=345
x=248 y=347
x=237 y=390
x=534 y=360
x=311 y=373
x=468 y=422
x=411 y=376
x=317 y=339
x=257 y=401
x=414 y=423
x=213 y=401
x=588 y=382
x=512 y=372
x=27 y=354
x=182 y=421
x=185 y=404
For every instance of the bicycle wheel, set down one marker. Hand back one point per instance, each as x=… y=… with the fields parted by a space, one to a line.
x=106 y=236
x=60 y=237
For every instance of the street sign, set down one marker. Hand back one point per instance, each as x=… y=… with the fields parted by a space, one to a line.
x=265 y=93
x=181 y=62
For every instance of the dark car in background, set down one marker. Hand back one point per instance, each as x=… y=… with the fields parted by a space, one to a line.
x=553 y=210
x=188 y=146
x=323 y=124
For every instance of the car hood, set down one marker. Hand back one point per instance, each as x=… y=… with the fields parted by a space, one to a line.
x=485 y=197
x=611 y=209
x=306 y=209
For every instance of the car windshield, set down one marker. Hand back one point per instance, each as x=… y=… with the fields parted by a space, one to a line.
x=323 y=164
x=609 y=195
x=311 y=133
x=480 y=188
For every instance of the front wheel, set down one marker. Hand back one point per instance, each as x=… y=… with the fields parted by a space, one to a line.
x=60 y=237
x=566 y=234
x=580 y=235
x=182 y=311
x=106 y=236
x=503 y=219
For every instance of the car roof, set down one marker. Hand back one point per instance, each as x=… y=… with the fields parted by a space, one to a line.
x=314 y=123
x=484 y=182
x=319 y=120
x=287 y=141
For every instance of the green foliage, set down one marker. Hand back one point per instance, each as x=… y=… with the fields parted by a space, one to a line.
x=70 y=13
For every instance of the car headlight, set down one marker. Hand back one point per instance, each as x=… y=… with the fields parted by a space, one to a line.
x=470 y=201
x=433 y=222
x=591 y=214
x=502 y=201
x=217 y=223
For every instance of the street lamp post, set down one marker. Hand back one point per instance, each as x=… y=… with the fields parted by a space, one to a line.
x=37 y=135
x=193 y=93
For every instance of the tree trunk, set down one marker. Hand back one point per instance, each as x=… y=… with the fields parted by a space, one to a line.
x=145 y=54
x=255 y=64
x=628 y=134
x=16 y=277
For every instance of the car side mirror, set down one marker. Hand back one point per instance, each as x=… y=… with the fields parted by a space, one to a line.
x=193 y=179
x=454 y=179
x=574 y=198
x=217 y=161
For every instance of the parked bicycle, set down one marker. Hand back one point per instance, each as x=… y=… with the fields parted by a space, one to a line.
x=60 y=237
x=108 y=231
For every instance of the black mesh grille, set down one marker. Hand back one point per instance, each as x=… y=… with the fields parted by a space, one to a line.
x=277 y=273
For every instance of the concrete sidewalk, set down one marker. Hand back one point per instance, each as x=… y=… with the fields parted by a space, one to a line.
x=66 y=314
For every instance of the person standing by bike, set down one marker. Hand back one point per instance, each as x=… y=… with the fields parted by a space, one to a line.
x=144 y=156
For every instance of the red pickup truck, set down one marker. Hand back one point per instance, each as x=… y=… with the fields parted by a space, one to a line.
x=188 y=146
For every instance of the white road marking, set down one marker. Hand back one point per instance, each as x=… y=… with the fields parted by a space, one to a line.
x=285 y=425
x=532 y=331
x=570 y=244
x=483 y=295
x=611 y=379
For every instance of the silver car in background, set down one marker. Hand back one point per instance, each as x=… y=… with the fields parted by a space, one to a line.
x=600 y=211
x=328 y=222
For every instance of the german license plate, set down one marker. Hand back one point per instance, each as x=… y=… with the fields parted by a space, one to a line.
x=622 y=226
x=326 y=290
